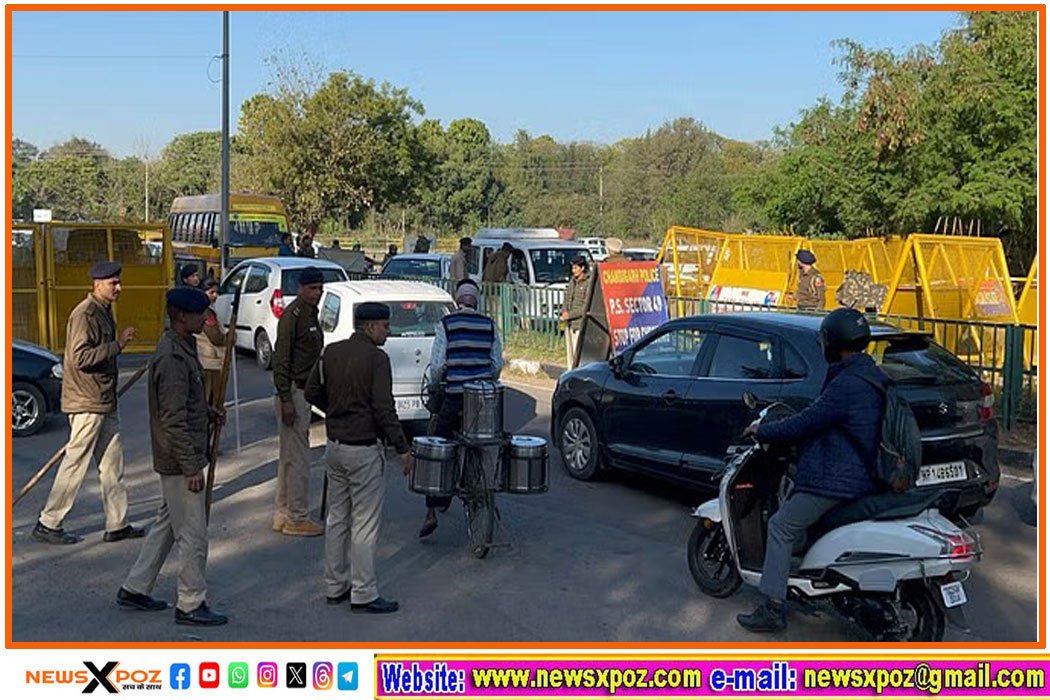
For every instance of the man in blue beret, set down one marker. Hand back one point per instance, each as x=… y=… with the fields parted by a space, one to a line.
x=298 y=345
x=811 y=291
x=180 y=420
x=353 y=384
x=89 y=397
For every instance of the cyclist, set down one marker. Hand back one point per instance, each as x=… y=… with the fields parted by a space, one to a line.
x=466 y=349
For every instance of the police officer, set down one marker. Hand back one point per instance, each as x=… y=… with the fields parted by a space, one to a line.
x=811 y=288
x=838 y=438
x=575 y=306
x=179 y=425
x=89 y=397
x=457 y=267
x=353 y=385
x=299 y=342
x=189 y=275
x=614 y=246
x=466 y=348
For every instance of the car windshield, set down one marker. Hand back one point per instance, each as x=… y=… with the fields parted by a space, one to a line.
x=552 y=265
x=261 y=231
x=915 y=359
x=412 y=267
x=414 y=319
x=290 y=279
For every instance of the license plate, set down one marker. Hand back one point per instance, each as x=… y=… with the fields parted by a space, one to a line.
x=941 y=473
x=953 y=594
x=408 y=403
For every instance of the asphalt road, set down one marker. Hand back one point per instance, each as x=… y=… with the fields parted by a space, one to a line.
x=585 y=562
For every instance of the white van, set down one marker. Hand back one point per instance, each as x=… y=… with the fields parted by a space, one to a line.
x=415 y=310
x=597 y=247
x=540 y=257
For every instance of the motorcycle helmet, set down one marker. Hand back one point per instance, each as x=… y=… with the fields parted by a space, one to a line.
x=843 y=329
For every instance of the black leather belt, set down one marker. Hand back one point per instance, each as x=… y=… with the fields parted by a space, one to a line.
x=355 y=443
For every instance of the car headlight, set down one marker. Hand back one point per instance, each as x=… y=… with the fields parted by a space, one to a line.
x=56 y=370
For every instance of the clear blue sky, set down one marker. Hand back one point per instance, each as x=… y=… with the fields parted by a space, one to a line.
x=125 y=79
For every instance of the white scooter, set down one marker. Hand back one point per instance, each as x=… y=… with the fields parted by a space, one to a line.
x=890 y=563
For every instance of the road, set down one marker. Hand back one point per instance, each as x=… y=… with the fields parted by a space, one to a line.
x=586 y=562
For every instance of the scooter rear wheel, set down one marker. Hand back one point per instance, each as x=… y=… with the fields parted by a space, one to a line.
x=711 y=562
x=921 y=614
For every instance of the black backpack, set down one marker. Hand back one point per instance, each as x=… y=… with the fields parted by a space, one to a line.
x=900 y=442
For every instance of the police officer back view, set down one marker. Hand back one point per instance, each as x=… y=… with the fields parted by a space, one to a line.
x=838 y=438
x=811 y=292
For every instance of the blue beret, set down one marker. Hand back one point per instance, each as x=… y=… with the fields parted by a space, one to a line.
x=189 y=299
x=105 y=269
x=311 y=275
x=371 y=311
x=806 y=257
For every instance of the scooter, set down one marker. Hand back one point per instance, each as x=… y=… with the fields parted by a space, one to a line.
x=889 y=563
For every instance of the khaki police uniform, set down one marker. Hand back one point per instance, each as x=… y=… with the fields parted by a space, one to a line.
x=178 y=416
x=89 y=397
x=576 y=305
x=811 y=290
x=299 y=343
x=211 y=350
x=353 y=385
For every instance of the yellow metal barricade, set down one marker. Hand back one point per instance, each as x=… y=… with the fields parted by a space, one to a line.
x=73 y=248
x=28 y=303
x=690 y=256
x=755 y=269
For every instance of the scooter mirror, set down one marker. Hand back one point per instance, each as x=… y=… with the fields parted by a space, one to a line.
x=750 y=400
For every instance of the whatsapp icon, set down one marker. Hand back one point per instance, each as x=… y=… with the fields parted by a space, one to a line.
x=238 y=674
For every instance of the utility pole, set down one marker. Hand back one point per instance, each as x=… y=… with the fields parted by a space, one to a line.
x=224 y=189
x=601 y=190
x=146 y=220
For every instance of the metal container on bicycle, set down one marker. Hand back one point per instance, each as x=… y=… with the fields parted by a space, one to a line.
x=483 y=410
x=525 y=465
x=436 y=466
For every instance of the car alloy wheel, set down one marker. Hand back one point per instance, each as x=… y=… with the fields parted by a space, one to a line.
x=579 y=446
x=263 y=350
x=27 y=410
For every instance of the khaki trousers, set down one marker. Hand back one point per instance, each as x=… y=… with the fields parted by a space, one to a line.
x=180 y=520
x=90 y=435
x=211 y=385
x=355 y=506
x=293 y=466
x=571 y=338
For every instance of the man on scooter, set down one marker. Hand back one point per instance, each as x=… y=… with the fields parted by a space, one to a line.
x=838 y=438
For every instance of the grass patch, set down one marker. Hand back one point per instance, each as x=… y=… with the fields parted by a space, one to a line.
x=531 y=345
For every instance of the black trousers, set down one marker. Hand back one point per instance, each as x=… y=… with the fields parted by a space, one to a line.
x=449 y=420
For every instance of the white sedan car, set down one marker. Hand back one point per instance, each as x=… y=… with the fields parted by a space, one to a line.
x=415 y=310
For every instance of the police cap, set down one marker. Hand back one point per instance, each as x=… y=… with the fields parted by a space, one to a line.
x=371 y=311
x=187 y=270
x=806 y=257
x=310 y=275
x=105 y=270
x=466 y=241
x=188 y=299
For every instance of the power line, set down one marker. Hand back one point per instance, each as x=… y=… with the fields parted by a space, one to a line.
x=110 y=57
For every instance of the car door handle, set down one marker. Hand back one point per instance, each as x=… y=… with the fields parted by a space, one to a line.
x=670 y=397
x=258 y=301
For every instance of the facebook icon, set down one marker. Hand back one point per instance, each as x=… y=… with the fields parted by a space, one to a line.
x=180 y=676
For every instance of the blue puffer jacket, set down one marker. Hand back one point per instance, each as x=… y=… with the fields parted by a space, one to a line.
x=832 y=462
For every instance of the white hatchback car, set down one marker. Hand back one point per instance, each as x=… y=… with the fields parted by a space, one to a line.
x=267 y=285
x=415 y=310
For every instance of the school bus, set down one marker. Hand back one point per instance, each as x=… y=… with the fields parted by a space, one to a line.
x=256 y=225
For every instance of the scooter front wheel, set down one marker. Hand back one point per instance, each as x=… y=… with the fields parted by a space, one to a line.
x=710 y=560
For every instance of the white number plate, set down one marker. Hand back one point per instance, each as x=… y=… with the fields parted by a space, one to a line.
x=941 y=473
x=953 y=594
x=408 y=403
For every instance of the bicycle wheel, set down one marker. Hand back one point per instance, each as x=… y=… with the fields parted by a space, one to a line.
x=478 y=505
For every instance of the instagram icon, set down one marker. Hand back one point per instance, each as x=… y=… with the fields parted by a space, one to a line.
x=323 y=675
x=266 y=675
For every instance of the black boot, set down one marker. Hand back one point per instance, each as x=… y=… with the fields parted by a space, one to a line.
x=768 y=617
x=52 y=535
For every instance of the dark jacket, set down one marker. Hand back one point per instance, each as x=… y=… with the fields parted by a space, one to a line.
x=838 y=435
x=89 y=366
x=299 y=343
x=352 y=384
x=576 y=299
x=178 y=411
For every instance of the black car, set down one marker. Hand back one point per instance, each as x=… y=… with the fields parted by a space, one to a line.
x=670 y=405
x=36 y=387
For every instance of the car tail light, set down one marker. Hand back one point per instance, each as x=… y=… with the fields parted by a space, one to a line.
x=986 y=411
x=277 y=303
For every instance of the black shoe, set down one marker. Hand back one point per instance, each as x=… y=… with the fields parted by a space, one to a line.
x=128 y=532
x=339 y=599
x=428 y=528
x=379 y=606
x=139 y=601
x=202 y=616
x=53 y=536
x=768 y=617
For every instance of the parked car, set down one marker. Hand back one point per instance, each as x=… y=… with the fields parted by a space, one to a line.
x=597 y=247
x=267 y=285
x=36 y=387
x=415 y=310
x=670 y=405
x=417 y=266
x=640 y=254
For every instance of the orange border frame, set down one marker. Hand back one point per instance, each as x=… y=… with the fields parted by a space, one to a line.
x=1041 y=12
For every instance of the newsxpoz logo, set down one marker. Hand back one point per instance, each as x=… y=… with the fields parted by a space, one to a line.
x=110 y=677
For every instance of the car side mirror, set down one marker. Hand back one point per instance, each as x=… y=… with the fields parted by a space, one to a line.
x=750 y=400
x=619 y=364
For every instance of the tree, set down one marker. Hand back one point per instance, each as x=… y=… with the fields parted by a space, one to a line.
x=22 y=154
x=191 y=164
